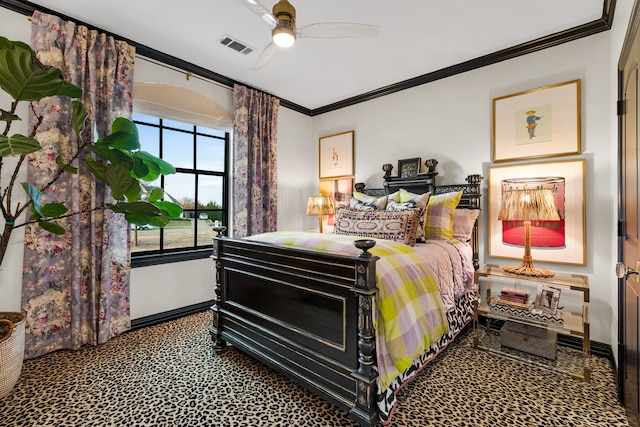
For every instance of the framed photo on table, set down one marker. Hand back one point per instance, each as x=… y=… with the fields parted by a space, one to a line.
x=537 y=123
x=336 y=155
x=546 y=300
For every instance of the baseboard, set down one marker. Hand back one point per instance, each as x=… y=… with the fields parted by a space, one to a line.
x=166 y=316
x=597 y=348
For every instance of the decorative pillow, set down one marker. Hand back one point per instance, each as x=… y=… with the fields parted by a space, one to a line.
x=364 y=202
x=390 y=225
x=403 y=200
x=463 y=222
x=439 y=224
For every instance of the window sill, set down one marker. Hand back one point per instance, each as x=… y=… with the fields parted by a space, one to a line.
x=166 y=258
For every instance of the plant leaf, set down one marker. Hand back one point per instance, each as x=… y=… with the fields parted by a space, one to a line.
x=6 y=116
x=172 y=209
x=65 y=167
x=156 y=194
x=53 y=210
x=34 y=194
x=98 y=170
x=133 y=192
x=141 y=213
x=156 y=166
x=78 y=117
x=18 y=145
x=124 y=135
x=52 y=227
x=24 y=78
x=140 y=169
x=118 y=179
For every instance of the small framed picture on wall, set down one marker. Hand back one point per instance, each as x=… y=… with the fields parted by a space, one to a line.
x=336 y=155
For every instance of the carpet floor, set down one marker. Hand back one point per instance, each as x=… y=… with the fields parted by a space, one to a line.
x=168 y=375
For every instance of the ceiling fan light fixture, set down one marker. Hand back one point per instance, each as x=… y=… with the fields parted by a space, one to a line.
x=284 y=33
x=283 y=36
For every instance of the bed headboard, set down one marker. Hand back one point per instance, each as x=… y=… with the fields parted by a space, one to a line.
x=426 y=182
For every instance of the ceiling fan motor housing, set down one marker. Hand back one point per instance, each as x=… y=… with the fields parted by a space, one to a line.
x=284 y=11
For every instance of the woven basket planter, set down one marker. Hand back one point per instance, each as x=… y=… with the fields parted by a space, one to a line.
x=11 y=349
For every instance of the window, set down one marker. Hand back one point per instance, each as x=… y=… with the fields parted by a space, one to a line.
x=199 y=155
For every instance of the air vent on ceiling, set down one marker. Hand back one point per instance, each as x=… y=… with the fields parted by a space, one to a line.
x=235 y=44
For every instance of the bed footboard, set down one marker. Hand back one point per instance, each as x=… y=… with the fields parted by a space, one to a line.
x=305 y=313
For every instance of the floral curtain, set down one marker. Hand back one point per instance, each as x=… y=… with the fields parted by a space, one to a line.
x=254 y=161
x=76 y=286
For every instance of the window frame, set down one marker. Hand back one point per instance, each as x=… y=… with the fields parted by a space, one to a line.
x=163 y=255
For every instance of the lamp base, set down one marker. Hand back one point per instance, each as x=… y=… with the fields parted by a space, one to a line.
x=527 y=269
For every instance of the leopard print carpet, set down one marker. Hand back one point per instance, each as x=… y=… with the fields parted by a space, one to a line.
x=168 y=375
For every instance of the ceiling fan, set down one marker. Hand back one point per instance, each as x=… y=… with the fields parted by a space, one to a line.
x=284 y=31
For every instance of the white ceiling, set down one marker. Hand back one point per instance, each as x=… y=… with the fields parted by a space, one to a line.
x=416 y=37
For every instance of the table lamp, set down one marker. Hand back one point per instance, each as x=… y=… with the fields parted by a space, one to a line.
x=320 y=205
x=530 y=203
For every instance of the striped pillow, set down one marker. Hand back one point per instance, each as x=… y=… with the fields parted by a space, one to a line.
x=364 y=202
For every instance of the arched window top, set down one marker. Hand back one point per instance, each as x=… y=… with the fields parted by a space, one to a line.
x=162 y=100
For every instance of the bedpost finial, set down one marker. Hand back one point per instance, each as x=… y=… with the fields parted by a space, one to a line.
x=364 y=245
x=431 y=165
x=387 y=168
x=219 y=229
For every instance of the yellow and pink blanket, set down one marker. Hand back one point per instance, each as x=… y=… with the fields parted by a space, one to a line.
x=412 y=294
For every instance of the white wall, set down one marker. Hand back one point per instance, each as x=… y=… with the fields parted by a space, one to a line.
x=14 y=27
x=451 y=120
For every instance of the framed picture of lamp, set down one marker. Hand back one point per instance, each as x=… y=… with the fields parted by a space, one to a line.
x=560 y=240
x=537 y=123
x=340 y=191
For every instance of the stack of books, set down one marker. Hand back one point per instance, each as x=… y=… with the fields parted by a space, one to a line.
x=512 y=297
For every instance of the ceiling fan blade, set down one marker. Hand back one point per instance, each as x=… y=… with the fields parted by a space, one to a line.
x=337 y=29
x=265 y=56
x=264 y=13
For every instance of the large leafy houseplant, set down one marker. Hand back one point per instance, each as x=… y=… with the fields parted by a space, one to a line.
x=115 y=159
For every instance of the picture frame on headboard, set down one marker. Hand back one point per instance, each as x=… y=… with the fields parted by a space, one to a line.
x=336 y=155
x=408 y=168
x=537 y=123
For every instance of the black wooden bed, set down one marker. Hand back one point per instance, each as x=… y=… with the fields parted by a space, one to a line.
x=306 y=313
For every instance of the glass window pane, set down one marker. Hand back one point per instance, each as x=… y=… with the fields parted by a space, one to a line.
x=209 y=131
x=177 y=148
x=209 y=192
x=204 y=224
x=177 y=125
x=139 y=117
x=149 y=139
x=179 y=233
x=145 y=238
x=182 y=188
x=210 y=154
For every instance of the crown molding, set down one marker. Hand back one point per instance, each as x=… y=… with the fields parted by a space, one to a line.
x=604 y=23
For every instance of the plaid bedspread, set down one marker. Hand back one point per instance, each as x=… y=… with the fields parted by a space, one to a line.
x=409 y=316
